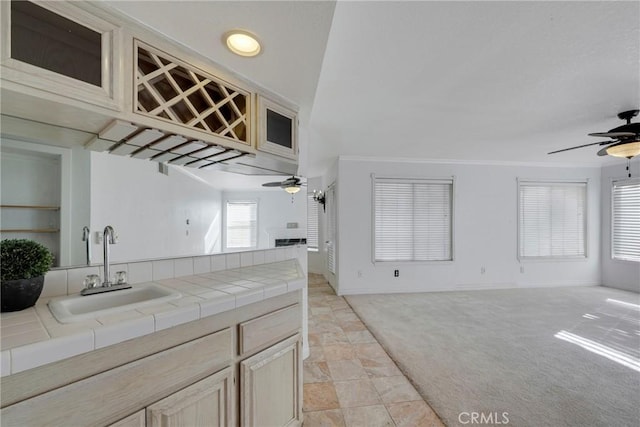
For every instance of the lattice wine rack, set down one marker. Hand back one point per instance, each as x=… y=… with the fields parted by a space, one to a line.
x=170 y=90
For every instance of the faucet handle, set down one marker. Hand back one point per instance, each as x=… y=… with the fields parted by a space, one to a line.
x=91 y=281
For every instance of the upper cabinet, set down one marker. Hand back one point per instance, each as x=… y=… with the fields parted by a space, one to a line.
x=59 y=49
x=277 y=129
x=86 y=66
x=172 y=91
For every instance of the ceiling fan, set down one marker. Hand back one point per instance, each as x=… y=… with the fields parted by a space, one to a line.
x=290 y=185
x=625 y=139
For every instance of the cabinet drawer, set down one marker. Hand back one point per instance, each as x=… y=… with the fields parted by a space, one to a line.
x=269 y=328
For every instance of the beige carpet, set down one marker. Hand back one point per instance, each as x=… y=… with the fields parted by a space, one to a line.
x=537 y=355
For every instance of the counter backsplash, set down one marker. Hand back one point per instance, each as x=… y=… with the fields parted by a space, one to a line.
x=70 y=281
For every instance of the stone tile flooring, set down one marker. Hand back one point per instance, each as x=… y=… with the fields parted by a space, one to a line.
x=349 y=380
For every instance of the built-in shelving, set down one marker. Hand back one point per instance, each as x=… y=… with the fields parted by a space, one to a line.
x=48 y=208
x=31 y=230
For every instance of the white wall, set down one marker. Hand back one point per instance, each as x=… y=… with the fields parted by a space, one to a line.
x=149 y=210
x=276 y=208
x=616 y=273
x=485 y=230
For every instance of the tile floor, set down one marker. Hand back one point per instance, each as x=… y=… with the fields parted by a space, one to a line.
x=349 y=380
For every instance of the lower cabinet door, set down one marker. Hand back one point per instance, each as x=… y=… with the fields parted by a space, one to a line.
x=271 y=389
x=205 y=403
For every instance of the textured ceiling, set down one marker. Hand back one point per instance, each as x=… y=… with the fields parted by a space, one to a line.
x=473 y=81
x=488 y=81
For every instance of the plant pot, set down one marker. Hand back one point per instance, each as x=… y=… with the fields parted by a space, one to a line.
x=21 y=293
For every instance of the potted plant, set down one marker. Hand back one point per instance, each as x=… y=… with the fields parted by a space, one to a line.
x=23 y=264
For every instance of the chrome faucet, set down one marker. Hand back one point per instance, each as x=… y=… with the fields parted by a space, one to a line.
x=109 y=237
x=86 y=237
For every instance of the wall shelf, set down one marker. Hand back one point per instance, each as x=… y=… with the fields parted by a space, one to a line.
x=31 y=230
x=47 y=208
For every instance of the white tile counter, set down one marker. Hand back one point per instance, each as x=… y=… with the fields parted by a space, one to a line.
x=33 y=337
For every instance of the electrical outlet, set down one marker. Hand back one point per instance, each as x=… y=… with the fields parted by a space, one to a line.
x=98 y=237
x=396 y=273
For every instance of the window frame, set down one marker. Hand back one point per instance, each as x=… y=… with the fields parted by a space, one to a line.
x=226 y=224
x=611 y=223
x=550 y=182
x=449 y=180
x=311 y=202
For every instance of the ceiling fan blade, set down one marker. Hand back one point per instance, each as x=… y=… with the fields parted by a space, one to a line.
x=271 y=184
x=613 y=134
x=624 y=131
x=585 y=145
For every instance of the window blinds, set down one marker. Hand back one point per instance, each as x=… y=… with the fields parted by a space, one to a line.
x=552 y=219
x=242 y=225
x=625 y=215
x=332 y=215
x=312 y=222
x=412 y=219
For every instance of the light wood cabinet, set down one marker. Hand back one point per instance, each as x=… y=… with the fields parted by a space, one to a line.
x=61 y=49
x=171 y=90
x=277 y=129
x=205 y=403
x=271 y=386
x=188 y=375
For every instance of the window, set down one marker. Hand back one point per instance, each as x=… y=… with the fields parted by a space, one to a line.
x=242 y=225
x=552 y=219
x=412 y=219
x=625 y=224
x=332 y=229
x=312 y=223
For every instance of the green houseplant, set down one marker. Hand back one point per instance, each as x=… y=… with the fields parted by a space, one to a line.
x=23 y=264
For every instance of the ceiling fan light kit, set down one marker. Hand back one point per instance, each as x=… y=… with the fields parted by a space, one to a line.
x=627 y=151
x=290 y=185
x=292 y=189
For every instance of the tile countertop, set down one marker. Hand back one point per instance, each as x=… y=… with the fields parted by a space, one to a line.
x=33 y=337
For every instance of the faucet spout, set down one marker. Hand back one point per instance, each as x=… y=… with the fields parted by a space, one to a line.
x=108 y=238
x=86 y=237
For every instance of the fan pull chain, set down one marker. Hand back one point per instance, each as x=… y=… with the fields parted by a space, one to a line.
x=628 y=167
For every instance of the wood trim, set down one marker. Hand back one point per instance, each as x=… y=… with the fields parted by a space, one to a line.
x=134 y=420
x=111 y=395
x=269 y=328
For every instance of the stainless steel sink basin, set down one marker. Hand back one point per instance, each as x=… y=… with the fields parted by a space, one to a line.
x=75 y=308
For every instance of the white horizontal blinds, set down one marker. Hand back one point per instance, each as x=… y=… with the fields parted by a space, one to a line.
x=626 y=220
x=242 y=224
x=331 y=229
x=312 y=222
x=552 y=219
x=412 y=219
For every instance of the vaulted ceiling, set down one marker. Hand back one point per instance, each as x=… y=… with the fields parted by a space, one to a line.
x=476 y=81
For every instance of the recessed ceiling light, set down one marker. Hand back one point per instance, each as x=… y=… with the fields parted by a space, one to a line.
x=242 y=43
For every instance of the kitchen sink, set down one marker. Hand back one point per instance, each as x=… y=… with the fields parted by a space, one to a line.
x=75 y=308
